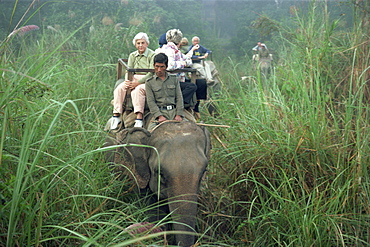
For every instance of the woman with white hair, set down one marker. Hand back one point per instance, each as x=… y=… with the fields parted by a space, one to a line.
x=177 y=60
x=142 y=58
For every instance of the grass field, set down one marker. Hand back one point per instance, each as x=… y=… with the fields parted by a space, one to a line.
x=291 y=170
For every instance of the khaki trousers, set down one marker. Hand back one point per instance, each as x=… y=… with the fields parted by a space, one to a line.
x=137 y=95
x=204 y=71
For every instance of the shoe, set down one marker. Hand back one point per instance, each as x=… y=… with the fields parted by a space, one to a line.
x=115 y=122
x=138 y=123
x=210 y=82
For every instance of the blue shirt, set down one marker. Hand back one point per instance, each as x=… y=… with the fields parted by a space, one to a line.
x=198 y=53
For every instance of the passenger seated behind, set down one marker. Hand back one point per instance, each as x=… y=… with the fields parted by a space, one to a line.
x=257 y=49
x=200 y=54
x=163 y=93
x=184 y=45
x=177 y=60
x=263 y=52
x=140 y=59
x=162 y=40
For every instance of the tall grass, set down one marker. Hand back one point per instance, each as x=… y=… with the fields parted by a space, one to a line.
x=292 y=170
x=55 y=186
x=297 y=152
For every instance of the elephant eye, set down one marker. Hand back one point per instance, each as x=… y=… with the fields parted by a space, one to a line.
x=163 y=178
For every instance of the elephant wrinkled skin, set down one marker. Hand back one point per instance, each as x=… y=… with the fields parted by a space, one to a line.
x=184 y=151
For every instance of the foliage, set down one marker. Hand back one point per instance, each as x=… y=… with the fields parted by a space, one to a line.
x=265 y=26
x=297 y=147
x=291 y=170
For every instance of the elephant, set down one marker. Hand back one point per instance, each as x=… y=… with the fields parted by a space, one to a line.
x=264 y=65
x=184 y=151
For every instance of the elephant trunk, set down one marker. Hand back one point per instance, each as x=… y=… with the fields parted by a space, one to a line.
x=183 y=206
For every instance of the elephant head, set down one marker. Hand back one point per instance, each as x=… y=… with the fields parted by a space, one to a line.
x=184 y=151
x=265 y=66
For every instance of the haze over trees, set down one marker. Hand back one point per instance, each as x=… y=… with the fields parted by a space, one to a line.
x=231 y=27
x=292 y=168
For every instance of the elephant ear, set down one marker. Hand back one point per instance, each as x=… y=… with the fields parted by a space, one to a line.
x=119 y=155
x=135 y=157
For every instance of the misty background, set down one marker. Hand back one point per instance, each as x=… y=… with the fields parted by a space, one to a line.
x=289 y=165
x=228 y=28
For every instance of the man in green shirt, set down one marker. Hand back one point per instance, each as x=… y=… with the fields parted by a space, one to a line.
x=163 y=93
